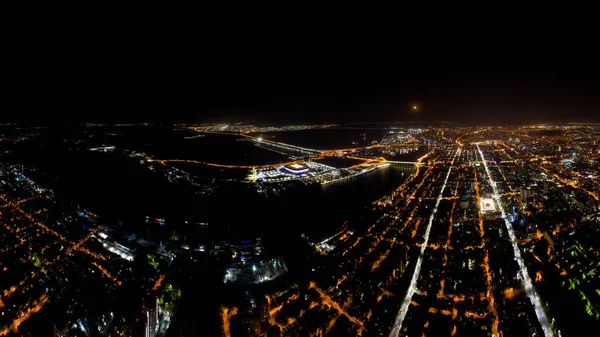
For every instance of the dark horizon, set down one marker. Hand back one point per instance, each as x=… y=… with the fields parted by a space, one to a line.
x=511 y=77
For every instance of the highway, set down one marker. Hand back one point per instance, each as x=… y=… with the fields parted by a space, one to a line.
x=313 y=153
x=527 y=284
x=284 y=145
x=413 y=282
x=355 y=174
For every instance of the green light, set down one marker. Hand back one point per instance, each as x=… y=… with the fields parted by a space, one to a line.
x=571 y=284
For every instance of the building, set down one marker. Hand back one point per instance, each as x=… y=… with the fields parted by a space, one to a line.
x=487 y=205
x=464 y=203
x=296 y=169
x=152 y=320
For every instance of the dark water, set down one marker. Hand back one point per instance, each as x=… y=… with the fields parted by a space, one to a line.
x=327 y=139
x=219 y=149
x=182 y=144
x=117 y=187
x=315 y=210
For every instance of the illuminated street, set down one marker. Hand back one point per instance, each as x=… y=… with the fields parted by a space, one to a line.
x=462 y=259
x=460 y=232
x=299 y=175
x=527 y=284
x=413 y=282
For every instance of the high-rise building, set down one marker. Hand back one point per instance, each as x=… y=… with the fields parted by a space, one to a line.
x=150 y=323
x=152 y=320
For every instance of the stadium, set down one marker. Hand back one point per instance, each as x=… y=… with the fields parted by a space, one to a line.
x=296 y=169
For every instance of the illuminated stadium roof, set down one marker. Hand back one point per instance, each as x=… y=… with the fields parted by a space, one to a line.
x=296 y=168
x=487 y=205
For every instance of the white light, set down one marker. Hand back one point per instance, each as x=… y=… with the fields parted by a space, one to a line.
x=487 y=205
x=413 y=282
x=531 y=293
x=260 y=139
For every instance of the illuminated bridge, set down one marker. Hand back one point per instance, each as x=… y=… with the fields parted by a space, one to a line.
x=269 y=144
x=405 y=162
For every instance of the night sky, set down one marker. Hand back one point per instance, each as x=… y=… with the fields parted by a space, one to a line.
x=223 y=74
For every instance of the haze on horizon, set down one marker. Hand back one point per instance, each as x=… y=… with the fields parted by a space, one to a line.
x=109 y=77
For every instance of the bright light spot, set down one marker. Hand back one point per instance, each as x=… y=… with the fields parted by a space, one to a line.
x=415 y=107
x=260 y=139
x=524 y=276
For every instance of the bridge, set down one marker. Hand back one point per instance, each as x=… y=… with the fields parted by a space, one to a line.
x=405 y=162
x=283 y=146
x=314 y=154
x=354 y=174
x=266 y=143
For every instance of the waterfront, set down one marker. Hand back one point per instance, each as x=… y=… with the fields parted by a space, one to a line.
x=330 y=138
x=236 y=212
x=90 y=180
x=336 y=245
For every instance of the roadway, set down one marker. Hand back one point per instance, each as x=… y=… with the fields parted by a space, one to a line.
x=413 y=282
x=527 y=284
x=312 y=152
